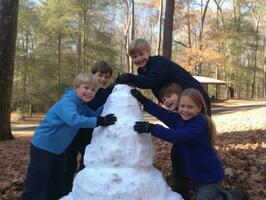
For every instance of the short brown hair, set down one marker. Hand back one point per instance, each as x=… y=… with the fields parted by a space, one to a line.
x=170 y=88
x=101 y=66
x=138 y=45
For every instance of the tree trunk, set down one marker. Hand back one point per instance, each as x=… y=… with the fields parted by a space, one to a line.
x=203 y=16
x=168 y=28
x=160 y=28
x=8 y=34
x=188 y=25
x=255 y=63
x=59 y=55
x=132 y=26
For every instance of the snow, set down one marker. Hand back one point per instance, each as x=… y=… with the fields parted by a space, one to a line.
x=119 y=161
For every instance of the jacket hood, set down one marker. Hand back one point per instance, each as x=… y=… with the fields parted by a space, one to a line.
x=71 y=93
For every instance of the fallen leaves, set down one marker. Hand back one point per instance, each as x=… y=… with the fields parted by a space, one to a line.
x=241 y=145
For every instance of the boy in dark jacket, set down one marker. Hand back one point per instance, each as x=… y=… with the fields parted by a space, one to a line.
x=102 y=72
x=169 y=95
x=155 y=71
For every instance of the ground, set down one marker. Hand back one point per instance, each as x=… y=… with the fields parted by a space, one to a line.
x=241 y=145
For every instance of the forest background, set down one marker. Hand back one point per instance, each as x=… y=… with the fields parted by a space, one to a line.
x=53 y=40
x=56 y=39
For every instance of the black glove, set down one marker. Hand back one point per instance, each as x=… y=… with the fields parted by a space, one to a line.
x=138 y=95
x=123 y=78
x=106 y=120
x=143 y=127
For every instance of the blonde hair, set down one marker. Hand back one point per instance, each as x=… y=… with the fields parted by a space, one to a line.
x=138 y=45
x=85 y=78
x=198 y=99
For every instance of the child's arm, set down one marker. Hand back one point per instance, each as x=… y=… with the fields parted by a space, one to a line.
x=167 y=117
x=91 y=112
x=153 y=78
x=69 y=114
x=100 y=97
x=160 y=113
x=190 y=134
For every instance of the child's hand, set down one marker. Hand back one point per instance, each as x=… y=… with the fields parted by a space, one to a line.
x=106 y=120
x=123 y=78
x=138 y=95
x=143 y=127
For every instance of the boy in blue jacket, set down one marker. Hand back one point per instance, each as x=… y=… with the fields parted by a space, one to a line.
x=102 y=72
x=57 y=130
x=155 y=71
x=193 y=132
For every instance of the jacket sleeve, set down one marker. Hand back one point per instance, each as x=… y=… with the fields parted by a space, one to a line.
x=68 y=113
x=100 y=98
x=168 y=118
x=90 y=112
x=189 y=134
x=155 y=77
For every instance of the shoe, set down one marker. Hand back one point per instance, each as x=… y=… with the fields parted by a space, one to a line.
x=239 y=194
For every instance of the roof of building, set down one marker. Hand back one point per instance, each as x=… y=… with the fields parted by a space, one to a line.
x=203 y=79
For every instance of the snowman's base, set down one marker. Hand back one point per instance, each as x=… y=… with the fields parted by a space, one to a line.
x=121 y=184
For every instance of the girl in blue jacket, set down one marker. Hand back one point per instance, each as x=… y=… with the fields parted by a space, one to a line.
x=44 y=179
x=193 y=132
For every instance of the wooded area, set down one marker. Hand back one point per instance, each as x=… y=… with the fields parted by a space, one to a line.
x=57 y=39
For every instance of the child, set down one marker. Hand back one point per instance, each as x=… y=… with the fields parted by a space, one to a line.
x=102 y=72
x=193 y=132
x=55 y=133
x=155 y=71
x=169 y=95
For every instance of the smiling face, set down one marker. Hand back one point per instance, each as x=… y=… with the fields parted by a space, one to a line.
x=171 y=101
x=86 y=92
x=187 y=108
x=102 y=78
x=140 y=58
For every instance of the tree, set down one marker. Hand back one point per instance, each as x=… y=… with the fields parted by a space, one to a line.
x=8 y=33
x=168 y=28
x=160 y=28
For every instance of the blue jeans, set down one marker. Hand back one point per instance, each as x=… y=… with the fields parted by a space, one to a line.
x=44 y=177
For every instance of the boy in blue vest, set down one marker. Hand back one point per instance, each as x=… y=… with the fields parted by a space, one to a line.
x=102 y=72
x=55 y=133
x=155 y=71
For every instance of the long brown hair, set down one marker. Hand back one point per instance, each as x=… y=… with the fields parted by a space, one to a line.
x=198 y=99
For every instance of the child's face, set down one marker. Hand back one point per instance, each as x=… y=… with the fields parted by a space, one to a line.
x=140 y=58
x=187 y=108
x=171 y=101
x=102 y=78
x=85 y=92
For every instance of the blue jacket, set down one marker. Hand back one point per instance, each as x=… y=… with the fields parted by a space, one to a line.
x=159 y=71
x=62 y=122
x=191 y=137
